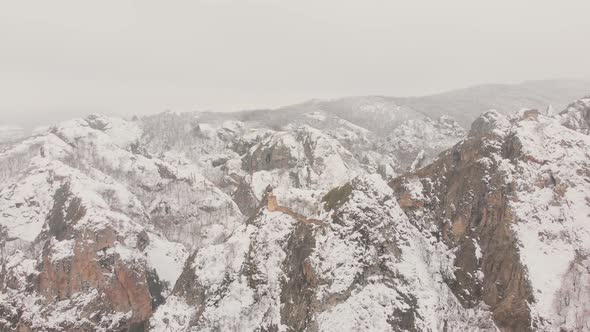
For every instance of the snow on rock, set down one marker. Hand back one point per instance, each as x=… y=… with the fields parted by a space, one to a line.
x=171 y=190
x=552 y=205
x=305 y=155
x=416 y=142
x=120 y=132
x=577 y=116
x=172 y=212
x=300 y=159
x=230 y=299
x=86 y=229
x=24 y=203
x=175 y=315
x=167 y=258
x=62 y=250
x=75 y=207
x=405 y=270
x=512 y=201
x=367 y=268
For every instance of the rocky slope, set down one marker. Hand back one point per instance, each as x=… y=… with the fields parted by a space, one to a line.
x=417 y=142
x=93 y=233
x=203 y=222
x=366 y=267
x=513 y=201
x=577 y=116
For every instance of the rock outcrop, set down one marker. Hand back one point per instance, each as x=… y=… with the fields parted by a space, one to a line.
x=512 y=200
x=366 y=268
x=164 y=223
x=577 y=116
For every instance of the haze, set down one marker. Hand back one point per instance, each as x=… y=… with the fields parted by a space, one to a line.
x=137 y=57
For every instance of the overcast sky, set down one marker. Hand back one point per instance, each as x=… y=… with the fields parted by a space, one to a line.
x=147 y=56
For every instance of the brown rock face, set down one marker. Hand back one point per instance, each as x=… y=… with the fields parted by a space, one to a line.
x=298 y=292
x=466 y=195
x=79 y=266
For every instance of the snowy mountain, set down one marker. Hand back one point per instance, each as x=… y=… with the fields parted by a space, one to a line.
x=364 y=268
x=359 y=214
x=465 y=105
x=513 y=201
x=383 y=113
x=84 y=245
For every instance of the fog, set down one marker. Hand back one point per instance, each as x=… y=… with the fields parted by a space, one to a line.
x=67 y=57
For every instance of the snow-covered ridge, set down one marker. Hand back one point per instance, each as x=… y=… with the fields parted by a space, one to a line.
x=513 y=201
x=367 y=268
x=552 y=205
x=83 y=177
x=170 y=211
x=577 y=116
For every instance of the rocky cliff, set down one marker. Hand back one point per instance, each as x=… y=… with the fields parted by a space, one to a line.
x=366 y=267
x=331 y=222
x=512 y=201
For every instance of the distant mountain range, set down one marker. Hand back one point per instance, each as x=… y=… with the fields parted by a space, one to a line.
x=464 y=104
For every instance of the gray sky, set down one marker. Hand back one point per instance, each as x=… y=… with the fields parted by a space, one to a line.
x=147 y=56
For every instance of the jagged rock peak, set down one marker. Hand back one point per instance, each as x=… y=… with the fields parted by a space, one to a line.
x=577 y=116
x=512 y=200
x=488 y=122
x=365 y=267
